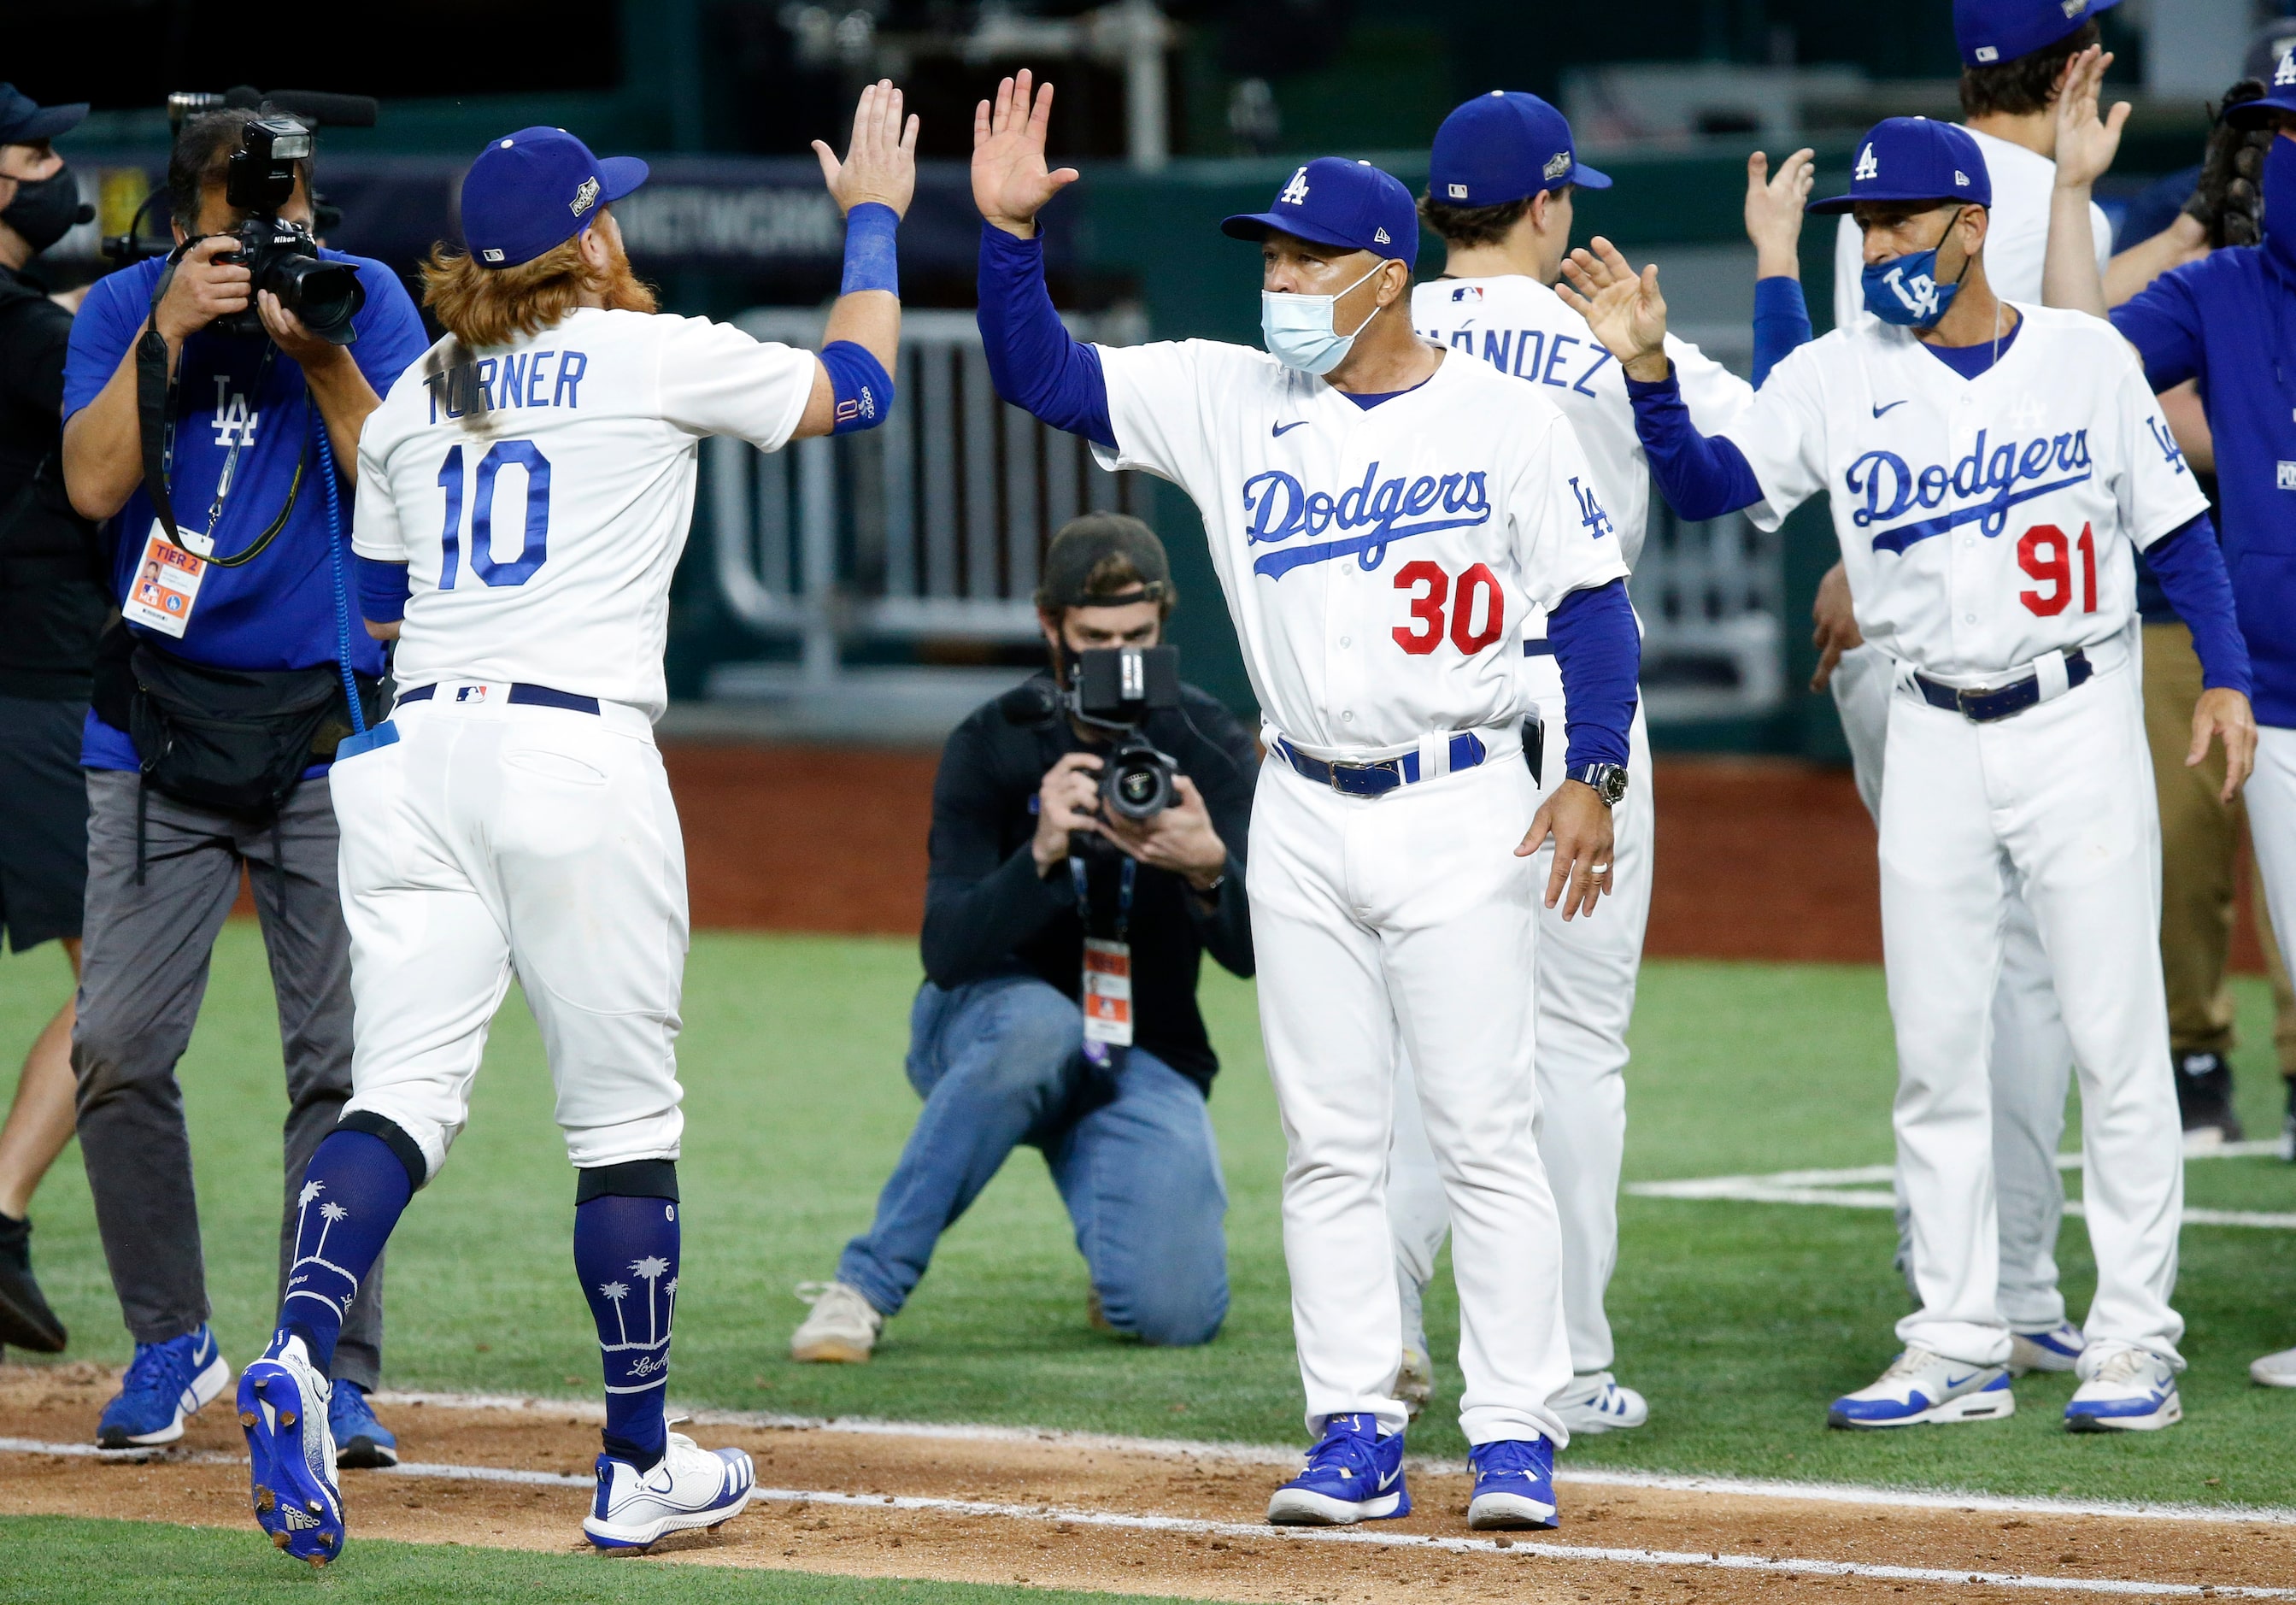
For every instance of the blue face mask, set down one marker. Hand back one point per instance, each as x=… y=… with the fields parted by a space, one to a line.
x=2280 y=202
x=1298 y=333
x=1904 y=291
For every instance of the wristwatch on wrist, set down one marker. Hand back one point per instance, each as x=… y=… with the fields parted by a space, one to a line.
x=1608 y=779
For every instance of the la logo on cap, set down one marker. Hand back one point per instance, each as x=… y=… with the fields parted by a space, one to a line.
x=2285 y=73
x=1867 y=168
x=1295 y=194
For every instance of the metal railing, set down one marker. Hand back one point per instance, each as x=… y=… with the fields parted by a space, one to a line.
x=929 y=526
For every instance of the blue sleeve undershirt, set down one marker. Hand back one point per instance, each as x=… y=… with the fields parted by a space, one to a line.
x=1700 y=476
x=1780 y=322
x=382 y=588
x=2189 y=564
x=1599 y=651
x=1033 y=361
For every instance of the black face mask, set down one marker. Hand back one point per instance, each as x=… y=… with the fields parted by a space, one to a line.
x=45 y=209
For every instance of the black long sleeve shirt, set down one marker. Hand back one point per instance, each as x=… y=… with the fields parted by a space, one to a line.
x=54 y=601
x=986 y=909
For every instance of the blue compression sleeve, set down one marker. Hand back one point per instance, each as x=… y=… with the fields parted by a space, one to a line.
x=2189 y=564
x=1701 y=477
x=382 y=588
x=1780 y=322
x=871 y=261
x=862 y=387
x=1599 y=650
x=1033 y=361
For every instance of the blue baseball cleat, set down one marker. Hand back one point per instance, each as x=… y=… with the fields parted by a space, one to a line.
x=290 y=1453
x=362 y=1443
x=164 y=1383
x=690 y=1486
x=1353 y=1475
x=1920 y=1388
x=1514 y=1485
x=2129 y=1390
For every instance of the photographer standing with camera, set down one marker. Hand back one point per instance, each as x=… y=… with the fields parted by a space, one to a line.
x=258 y=357
x=1066 y=916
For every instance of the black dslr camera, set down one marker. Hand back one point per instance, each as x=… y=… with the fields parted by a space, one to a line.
x=1114 y=689
x=279 y=256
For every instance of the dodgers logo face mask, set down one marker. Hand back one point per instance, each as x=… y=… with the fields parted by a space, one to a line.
x=1297 y=329
x=1904 y=291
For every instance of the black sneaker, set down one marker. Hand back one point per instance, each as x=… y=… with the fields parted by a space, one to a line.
x=26 y=1320
x=2288 y=1125
x=2204 y=1095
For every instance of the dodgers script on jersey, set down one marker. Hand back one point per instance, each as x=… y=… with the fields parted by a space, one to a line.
x=1520 y=326
x=1378 y=563
x=540 y=492
x=1982 y=522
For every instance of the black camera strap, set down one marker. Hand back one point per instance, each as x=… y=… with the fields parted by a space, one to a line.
x=157 y=386
x=1126 y=878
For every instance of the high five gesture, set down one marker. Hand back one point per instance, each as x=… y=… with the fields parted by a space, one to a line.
x=1010 y=181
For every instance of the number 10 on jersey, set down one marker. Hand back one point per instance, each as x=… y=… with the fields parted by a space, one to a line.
x=483 y=564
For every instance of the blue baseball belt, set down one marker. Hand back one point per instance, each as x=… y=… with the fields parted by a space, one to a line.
x=1999 y=702
x=1377 y=779
x=538 y=696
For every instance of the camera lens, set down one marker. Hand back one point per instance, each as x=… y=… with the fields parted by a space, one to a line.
x=1137 y=783
x=325 y=295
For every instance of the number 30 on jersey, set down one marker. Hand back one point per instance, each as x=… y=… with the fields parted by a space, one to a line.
x=535 y=551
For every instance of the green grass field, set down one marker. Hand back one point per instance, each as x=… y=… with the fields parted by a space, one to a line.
x=1739 y=1320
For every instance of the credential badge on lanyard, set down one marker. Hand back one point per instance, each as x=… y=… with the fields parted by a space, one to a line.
x=1106 y=990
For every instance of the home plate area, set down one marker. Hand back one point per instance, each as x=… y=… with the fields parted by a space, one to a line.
x=1007 y=1506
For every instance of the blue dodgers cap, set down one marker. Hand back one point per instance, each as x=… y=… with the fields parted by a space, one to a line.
x=1334 y=201
x=537 y=188
x=1503 y=147
x=23 y=121
x=2279 y=94
x=1990 y=32
x=1913 y=159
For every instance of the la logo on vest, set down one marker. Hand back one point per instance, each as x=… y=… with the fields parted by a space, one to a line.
x=235 y=424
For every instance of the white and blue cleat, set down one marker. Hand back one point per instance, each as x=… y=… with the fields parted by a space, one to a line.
x=2057 y=1348
x=1514 y=1485
x=2127 y=1390
x=164 y=1383
x=290 y=1453
x=689 y=1488
x=1922 y=1388
x=1352 y=1475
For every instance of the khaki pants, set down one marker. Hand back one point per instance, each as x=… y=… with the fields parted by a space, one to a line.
x=2200 y=848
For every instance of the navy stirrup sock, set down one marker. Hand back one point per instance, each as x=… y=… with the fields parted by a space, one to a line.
x=353 y=1194
x=626 y=1252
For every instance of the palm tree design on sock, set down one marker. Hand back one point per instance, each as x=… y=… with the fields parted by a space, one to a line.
x=648 y=1363
x=331 y=1214
x=617 y=1292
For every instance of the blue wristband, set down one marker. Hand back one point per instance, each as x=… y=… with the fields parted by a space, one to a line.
x=383 y=589
x=872 y=261
x=863 y=388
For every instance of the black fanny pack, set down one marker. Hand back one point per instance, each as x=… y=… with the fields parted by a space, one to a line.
x=237 y=740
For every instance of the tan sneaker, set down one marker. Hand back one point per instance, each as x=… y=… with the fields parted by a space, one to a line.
x=843 y=1329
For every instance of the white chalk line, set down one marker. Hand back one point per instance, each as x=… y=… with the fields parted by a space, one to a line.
x=1852 y=1187
x=1260 y=1533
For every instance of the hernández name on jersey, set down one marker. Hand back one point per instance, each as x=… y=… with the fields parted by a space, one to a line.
x=523 y=380
x=1540 y=355
x=1989 y=481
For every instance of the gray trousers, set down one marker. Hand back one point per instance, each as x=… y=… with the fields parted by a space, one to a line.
x=144 y=971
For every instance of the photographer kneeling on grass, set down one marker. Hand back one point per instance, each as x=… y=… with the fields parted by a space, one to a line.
x=217 y=704
x=1051 y=895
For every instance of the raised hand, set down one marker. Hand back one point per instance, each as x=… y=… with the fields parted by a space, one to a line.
x=2086 y=144
x=881 y=159
x=1774 y=211
x=1626 y=310
x=1010 y=181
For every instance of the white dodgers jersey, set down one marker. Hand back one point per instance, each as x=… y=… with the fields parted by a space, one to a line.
x=1983 y=521
x=1379 y=561
x=540 y=493
x=1519 y=326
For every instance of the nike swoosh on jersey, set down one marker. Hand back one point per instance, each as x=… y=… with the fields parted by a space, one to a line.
x=1879 y=410
x=1281 y=429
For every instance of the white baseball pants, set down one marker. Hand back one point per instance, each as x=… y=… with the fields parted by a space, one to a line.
x=2057 y=801
x=2271 y=798
x=2031 y=1059
x=1583 y=999
x=1408 y=914
x=494 y=837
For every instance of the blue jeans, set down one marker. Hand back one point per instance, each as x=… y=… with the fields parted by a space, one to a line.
x=1000 y=1063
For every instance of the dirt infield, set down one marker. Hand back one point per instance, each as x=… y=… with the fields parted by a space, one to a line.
x=1006 y=1509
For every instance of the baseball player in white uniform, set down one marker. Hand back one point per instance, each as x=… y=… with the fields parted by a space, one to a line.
x=1384 y=518
x=1989 y=464
x=1499 y=192
x=523 y=497
x=2032 y=1058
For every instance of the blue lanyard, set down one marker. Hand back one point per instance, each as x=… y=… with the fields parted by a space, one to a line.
x=1124 y=884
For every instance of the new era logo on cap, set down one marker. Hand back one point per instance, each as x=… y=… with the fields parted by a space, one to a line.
x=1382 y=236
x=2072 y=8
x=1959 y=177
